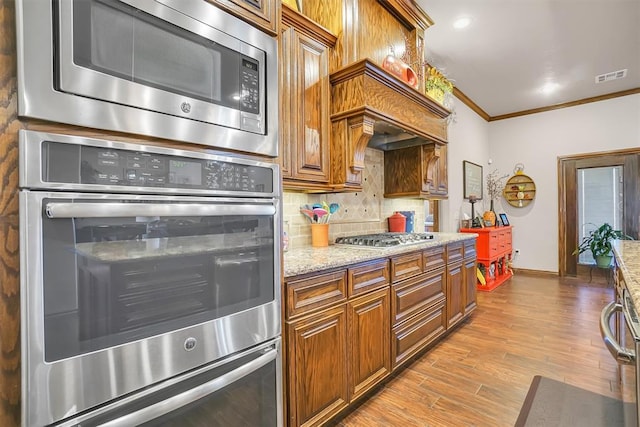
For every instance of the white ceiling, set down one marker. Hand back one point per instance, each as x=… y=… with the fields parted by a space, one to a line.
x=513 y=47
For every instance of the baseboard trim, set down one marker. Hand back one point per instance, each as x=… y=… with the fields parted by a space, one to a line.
x=538 y=273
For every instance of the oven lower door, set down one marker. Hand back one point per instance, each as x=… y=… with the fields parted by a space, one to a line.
x=242 y=391
x=119 y=292
x=624 y=347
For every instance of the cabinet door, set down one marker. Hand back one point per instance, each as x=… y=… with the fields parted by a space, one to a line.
x=469 y=286
x=304 y=113
x=317 y=360
x=369 y=334
x=455 y=294
x=261 y=13
x=436 y=183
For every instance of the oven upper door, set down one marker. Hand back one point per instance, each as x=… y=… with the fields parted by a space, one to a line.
x=124 y=291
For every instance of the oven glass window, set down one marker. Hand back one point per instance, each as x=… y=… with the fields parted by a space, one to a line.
x=108 y=281
x=116 y=39
x=249 y=401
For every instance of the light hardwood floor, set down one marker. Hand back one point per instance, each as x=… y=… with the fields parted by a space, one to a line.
x=479 y=375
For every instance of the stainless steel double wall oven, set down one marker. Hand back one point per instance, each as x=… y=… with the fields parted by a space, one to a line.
x=149 y=285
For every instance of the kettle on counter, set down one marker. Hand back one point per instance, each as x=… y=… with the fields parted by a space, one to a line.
x=397 y=223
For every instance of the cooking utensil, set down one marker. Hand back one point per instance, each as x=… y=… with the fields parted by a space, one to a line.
x=307 y=213
x=320 y=213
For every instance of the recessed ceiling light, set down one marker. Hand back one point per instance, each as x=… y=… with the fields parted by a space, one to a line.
x=549 y=88
x=461 y=22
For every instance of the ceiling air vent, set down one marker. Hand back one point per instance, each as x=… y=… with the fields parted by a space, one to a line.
x=614 y=75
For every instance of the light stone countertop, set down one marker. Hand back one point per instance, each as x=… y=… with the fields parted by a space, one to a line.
x=627 y=253
x=309 y=259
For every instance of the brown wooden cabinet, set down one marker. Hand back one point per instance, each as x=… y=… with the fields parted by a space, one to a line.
x=347 y=328
x=419 y=171
x=368 y=338
x=455 y=294
x=470 y=291
x=304 y=108
x=461 y=281
x=417 y=314
x=337 y=346
x=317 y=374
x=260 y=13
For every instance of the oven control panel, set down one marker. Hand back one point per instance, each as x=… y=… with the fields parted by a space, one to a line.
x=84 y=164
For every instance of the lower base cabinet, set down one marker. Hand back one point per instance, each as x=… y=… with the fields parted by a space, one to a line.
x=368 y=337
x=317 y=376
x=347 y=329
x=469 y=275
x=455 y=294
x=321 y=384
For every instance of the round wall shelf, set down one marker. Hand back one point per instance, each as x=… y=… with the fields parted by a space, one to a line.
x=519 y=190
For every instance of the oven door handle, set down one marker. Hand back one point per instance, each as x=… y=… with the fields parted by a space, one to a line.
x=622 y=355
x=178 y=401
x=115 y=210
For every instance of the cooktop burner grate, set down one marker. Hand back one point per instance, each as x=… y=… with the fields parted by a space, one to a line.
x=384 y=240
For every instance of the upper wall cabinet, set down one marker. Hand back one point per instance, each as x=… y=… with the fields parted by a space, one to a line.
x=305 y=103
x=260 y=13
x=371 y=29
x=365 y=96
x=419 y=171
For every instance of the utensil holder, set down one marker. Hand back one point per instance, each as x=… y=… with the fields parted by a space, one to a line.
x=319 y=235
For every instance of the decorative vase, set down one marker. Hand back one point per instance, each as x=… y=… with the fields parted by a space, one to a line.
x=489 y=216
x=401 y=70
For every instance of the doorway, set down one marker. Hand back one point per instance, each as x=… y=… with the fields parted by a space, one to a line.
x=592 y=189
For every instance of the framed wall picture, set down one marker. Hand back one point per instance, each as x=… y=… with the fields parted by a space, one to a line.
x=472 y=180
x=503 y=219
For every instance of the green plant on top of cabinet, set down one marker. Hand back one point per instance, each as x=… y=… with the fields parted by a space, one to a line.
x=304 y=107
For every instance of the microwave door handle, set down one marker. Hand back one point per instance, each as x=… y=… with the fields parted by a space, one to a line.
x=178 y=401
x=113 y=210
x=623 y=355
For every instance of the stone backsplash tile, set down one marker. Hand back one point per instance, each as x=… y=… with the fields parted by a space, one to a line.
x=363 y=212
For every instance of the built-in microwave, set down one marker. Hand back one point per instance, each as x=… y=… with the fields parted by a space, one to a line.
x=181 y=70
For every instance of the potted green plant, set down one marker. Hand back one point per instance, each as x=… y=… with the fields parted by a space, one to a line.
x=436 y=85
x=599 y=242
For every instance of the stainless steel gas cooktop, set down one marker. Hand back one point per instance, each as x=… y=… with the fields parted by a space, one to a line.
x=384 y=240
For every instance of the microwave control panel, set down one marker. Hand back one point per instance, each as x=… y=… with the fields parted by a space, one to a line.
x=82 y=164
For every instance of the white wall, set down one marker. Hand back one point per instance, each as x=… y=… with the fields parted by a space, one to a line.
x=537 y=141
x=468 y=140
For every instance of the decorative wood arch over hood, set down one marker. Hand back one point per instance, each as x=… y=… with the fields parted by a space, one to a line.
x=366 y=101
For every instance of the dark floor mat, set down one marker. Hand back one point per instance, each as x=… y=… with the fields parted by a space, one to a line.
x=553 y=403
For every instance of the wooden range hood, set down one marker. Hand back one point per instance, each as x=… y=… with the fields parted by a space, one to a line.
x=366 y=100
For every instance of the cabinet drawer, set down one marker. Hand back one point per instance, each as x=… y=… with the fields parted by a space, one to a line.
x=416 y=333
x=470 y=249
x=455 y=252
x=367 y=277
x=405 y=266
x=307 y=294
x=434 y=258
x=416 y=294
